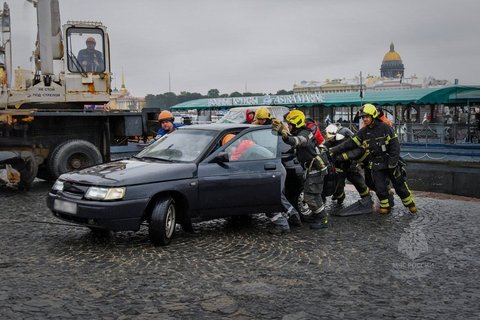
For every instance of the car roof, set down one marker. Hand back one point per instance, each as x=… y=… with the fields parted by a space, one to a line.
x=216 y=126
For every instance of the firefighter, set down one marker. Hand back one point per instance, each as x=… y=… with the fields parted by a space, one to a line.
x=312 y=125
x=313 y=161
x=262 y=116
x=368 y=172
x=345 y=167
x=381 y=143
x=167 y=123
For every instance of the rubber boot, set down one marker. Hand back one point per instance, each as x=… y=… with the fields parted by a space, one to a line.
x=412 y=208
x=320 y=224
x=320 y=221
x=385 y=210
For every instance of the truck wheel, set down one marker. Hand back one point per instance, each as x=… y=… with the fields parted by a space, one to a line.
x=162 y=222
x=73 y=155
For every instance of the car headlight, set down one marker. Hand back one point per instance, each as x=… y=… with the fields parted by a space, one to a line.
x=99 y=193
x=58 y=185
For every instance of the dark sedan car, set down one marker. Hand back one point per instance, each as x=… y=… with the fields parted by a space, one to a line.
x=184 y=177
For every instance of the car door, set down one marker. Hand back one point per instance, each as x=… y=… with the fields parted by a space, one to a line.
x=242 y=177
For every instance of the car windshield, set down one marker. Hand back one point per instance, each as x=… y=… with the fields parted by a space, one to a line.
x=233 y=116
x=181 y=145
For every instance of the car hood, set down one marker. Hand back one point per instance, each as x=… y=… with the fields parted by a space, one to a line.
x=131 y=172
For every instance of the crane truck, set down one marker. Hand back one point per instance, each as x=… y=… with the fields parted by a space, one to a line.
x=46 y=128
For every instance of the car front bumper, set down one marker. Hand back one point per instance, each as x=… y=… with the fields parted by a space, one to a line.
x=116 y=215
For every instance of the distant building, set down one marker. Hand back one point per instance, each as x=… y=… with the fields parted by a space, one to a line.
x=392 y=65
x=328 y=86
x=121 y=100
x=392 y=77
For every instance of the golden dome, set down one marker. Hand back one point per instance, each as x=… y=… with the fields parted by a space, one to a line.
x=392 y=55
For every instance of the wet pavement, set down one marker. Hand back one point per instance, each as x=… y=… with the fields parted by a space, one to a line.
x=370 y=266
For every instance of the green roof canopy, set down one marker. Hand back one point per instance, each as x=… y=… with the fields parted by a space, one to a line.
x=440 y=95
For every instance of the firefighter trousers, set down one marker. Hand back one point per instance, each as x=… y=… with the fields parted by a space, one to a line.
x=396 y=175
x=355 y=178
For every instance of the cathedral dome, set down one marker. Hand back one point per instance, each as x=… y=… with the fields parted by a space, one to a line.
x=392 y=65
x=392 y=55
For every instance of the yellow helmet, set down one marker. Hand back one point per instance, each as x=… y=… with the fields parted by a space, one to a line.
x=296 y=117
x=262 y=113
x=369 y=109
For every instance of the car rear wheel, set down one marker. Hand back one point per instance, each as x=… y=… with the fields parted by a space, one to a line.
x=162 y=221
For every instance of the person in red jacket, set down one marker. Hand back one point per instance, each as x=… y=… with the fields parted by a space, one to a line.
x=313 y=126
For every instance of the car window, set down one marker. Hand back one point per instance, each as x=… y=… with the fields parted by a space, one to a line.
x=233 y=116
x=254 y=145
x=181 y=145
x=238 y=115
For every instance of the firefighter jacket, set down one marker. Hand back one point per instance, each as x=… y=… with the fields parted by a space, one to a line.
x=381 y=143
x=307 y=152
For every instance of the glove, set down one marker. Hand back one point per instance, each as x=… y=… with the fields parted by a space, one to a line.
x=280 y=127
x=276 y=125
x=284 y=131
x=392 y=164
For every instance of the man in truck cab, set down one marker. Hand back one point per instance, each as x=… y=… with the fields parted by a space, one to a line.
x=91 y=59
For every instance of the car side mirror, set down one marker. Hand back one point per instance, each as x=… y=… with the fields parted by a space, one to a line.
x=220 y=157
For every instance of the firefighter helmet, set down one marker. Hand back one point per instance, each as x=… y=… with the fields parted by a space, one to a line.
x=369 y=109
x=331 y=131
x=296 y=118
x=262 y=113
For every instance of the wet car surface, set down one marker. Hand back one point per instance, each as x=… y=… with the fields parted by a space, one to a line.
x=185 y=177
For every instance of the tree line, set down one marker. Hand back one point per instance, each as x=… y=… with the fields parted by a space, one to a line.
x=168 y=99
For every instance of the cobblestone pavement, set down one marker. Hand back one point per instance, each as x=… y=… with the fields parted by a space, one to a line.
x=370 y=266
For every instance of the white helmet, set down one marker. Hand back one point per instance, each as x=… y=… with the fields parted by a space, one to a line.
x=331 y=131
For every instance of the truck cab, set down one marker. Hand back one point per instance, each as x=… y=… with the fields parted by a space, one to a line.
x=48 y=119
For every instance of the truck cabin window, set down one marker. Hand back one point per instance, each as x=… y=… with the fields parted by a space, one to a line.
x=85 y=50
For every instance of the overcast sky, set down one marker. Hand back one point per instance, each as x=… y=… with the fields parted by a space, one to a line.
x=268 y=45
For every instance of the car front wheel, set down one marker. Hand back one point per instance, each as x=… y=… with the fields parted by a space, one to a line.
x=162 y=221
